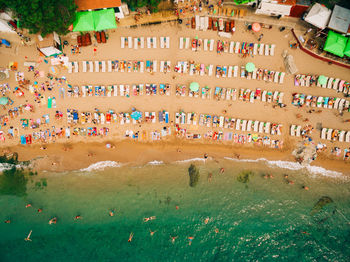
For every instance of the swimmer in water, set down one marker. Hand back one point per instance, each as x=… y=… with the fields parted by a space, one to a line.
x=173 y=239
x=177 y=207
x=111 y=213
x=222 y=170
x=306 y=187
x=77 y=217
x=190 y=240
x=152 y=232
x=28 y=205
x=131 y=236
x=40 y=210
x=146 y=219
x=28 y=237
x=210 y=175
x=270 y=176
x=216 y=230
x=206 y=220
x=8 y=221
x=53 y=220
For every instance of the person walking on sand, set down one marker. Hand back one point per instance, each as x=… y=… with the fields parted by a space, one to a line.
x=28 y=237
x=260 y=37
x=131 y=236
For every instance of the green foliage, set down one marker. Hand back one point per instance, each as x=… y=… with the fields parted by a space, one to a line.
x=43 y=16
x=330 y=3
x=320 y=204
x=13 y=182
x=151 y=4
x=193 y=172
x=243 y=177
x=39 y=185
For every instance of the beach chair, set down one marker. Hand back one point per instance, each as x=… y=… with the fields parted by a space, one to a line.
x=255 y=125
x=149 y=42
x=292 y=130
x=210 y=70
x=319 y=101
x=235 y=71
x=84 y=66
x=211 y=48
x=70 y=67
x=154 y=42
x=187 y=43
x=122 y=42
x=324 y=85
x=263 y=96
x=136 y=44
x=155 y=66
x=142 y=40
x=261 y=49
x=154 y=118
x=255 y=49
x=336 y=83
x=103 y=69
x=167 y=42
x=130 y=42
x=267 y=127
x=237 y=47
x=181 y=44
x=249 y=125
x=282 y=74
x=197 y=22
x=272 y=50
x=109 y=66
x=330 y=83
x=238 y=124
x=76 y=67
x=189 y=115
x=142 y=66
x=91 y=67
x=267 y=50
x=336 y=103
x=232 y=47
x=341 y=104
x=341 y=136
x=261 y=127
x=254 y=74
x=307 y=81
x=162 y=44
x=341 y=86
x=97 y=66
x=230 y=70
x=202 y=23
x=329 y=134
x=115 y=90
x=161 y=69
x=276 y=77
x=298 y=131
x=244 y=125
x=347 y=137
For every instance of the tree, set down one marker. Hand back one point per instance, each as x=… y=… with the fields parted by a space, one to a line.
x=43 y=16
x=151 y=4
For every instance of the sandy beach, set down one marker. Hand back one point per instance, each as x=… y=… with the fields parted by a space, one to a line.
x=127 y=150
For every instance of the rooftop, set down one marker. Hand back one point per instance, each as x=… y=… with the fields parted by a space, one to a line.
x=96 y=4
x=340 y=19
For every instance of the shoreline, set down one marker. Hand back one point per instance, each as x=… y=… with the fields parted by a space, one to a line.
x=62 y=157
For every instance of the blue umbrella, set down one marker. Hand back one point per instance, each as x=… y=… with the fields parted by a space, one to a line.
x=136 y=115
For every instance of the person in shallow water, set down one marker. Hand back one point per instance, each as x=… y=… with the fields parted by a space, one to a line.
x=190 y=240
x=7 y=221
x=40 y=210
x=78 y=217
x=53 y=220
x=173 y=239
x=152 y=232
x=28 y=237
x=131 y=236
x=206 y=220
x=28 y=205
x=111 y=213
x=146 y=219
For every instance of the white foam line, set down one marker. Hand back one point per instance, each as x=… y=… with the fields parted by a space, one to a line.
x=100 y=166
x=7 y=166
x=155 y=163
x=191 y=160
x=314 y=170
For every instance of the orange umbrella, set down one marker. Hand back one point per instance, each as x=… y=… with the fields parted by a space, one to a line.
x=70 y=28
x=256 y=27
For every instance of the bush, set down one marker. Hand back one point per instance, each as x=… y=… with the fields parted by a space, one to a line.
x=193 y=172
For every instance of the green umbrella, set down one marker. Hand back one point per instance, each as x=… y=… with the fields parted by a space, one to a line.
x=194 y=86
x=335 y=43
x=104 y=19
x=250 y=67
x=322 y=80
x=4 y=100
x=83 y=22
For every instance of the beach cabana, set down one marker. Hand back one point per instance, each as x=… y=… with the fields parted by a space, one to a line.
x=84 y=21
x=335 y=44
x=318 y=16
x=347 y=48
x=50 y=45
x=104 y=19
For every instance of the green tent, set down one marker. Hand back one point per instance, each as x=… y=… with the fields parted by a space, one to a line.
x=83 y=22
x=104 y=19
x=347 y=48
x=335 y=44
x=241 y=2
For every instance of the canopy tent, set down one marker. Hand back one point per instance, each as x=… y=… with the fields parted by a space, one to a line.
x=104 y=19
x=318 y=16
x=94 y=20
x=242 y=2
x=335 y=44
x=84 y=21
x=347 y=48
x=340 y=19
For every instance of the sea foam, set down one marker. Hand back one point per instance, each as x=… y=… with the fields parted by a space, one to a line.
x=155 y=163
x=191 y=160
x=314 y=170
x=100 y=166
x=5 y=166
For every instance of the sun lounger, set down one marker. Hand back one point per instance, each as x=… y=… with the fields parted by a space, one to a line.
x=142 y=66
x=267 y=127
x=84 y=66
x=341 y=86
x=341 y=104
x=255 y=50
x=329 y=134
x=91 y=67
x=324 y=133
x=330 y=83
x=256 y=126
x=249 y=125
x=183 y=118
x=235 y=71
x=136 y=44
x=97 y=66
x=202 y=23
x=325 y=85
x=167 y=42
x=347 y=137
x=238 y=124
x=161 y=69
x=319 y=101
x=187 y=43
x=210 y=70
x=263 y=96
x=230 y=70
x=121 y=89
x=70 y=67
x=336 y=83
x=154 y=118
x=237 y=47
x=280 y=98
x=211 y=45
x=261 y=127
x=205 y=44
x=155 y=66
x=103 y=69
x=154 y=42
x=122 y=42
x=130 y=42
x=206 y=23
x=197 y=22
x=292 y=130
x=149 y=42
x=167 y=117
x=267 y=50
x=298 y=131
x=76 y=67
x=282 y=74
x=232 y=47
x=272 y=50
x=254 y=74
x=341 y=136
x=276 y=77
x=244 y=125
x=162 y=44
x=177 y=118
x=181 y=44
x=261 y=49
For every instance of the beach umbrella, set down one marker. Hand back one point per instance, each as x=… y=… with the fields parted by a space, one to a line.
x=4 y=100
x=335 y=43
x=250 y=67
x=256 y=27
x=194 y=86
x=322 y=80
x=84 y=21
x=2 y=76
x=104 y=19
x=136 y=115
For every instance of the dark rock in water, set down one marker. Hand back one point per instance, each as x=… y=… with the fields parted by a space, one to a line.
x=168 y=200
x=193 y=172
x=13 y=182
x=243 y=177
x=320 y=204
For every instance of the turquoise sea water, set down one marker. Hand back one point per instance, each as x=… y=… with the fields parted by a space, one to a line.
x=262 y=220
